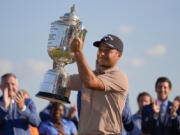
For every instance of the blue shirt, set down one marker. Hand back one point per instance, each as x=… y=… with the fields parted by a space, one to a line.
x=126 y=118
x=48 y=128
x=137 y=125
x=45 y=115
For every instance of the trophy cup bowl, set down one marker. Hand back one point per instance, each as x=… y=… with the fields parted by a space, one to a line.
x=62 y=32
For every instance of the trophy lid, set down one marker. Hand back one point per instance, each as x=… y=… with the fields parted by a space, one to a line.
x=70 y=16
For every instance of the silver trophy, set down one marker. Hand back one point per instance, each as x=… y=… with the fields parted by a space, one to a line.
x=62 y=32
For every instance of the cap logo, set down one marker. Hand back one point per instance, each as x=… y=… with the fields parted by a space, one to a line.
x=108 y=37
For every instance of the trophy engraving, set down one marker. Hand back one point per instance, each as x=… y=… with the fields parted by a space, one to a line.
x=62 y=32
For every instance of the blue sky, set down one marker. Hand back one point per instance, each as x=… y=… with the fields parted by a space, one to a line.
x=149 y=29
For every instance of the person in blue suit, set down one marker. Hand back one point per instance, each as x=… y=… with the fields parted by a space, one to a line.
x=162 y=117
x=16 y=112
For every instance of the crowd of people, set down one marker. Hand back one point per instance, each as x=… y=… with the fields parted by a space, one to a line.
x=102 y=102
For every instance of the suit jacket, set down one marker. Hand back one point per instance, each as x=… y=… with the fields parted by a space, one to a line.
x=17 y=122
x=153 y=126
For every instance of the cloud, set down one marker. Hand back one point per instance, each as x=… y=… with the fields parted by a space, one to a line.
x=158 y=50
x=5 y=66
x=125 y=29
x=137 y=62
x=32 y=68
x=37 y=66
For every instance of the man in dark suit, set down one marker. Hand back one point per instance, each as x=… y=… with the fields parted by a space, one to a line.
x=162 y=117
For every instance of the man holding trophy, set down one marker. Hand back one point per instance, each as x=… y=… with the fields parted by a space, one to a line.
x=104 y=90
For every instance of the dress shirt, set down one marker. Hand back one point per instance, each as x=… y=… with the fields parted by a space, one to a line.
x=137 y=125
x=165 y=103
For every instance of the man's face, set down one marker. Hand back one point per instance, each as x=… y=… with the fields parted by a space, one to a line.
x=144 y=100
x=10 y=84
x=106 y=56
x=163 y=90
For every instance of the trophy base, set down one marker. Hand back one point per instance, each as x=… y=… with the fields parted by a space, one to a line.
x=53 y=97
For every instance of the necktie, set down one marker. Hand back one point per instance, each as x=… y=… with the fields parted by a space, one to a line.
x=11 y=109
x=162 y=108
x=162 y=112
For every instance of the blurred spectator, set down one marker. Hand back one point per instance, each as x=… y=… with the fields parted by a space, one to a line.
x=128 y=124
x=70 y=114
x=143 y=99
x=16 y=112
x=162 y=117
x=57 y=125
x=177 y=98
x=33 y=130
x=45 y=113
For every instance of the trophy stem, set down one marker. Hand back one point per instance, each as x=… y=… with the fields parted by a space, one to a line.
x=62 y=76
x=60 y=66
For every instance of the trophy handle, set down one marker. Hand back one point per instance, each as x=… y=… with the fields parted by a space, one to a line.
x=80 y=30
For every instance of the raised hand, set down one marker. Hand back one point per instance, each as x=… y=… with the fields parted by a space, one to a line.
x=72 y=112
x=76 y=44
x=6 y=98
x=20 y=100
x=156 y=107
x=174 y=108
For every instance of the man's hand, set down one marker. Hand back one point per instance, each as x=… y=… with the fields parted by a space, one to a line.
x=72 y=112
x=76 y=44
x=156 y=107
x=6 y=98
x=20 y=100
x=174 y=108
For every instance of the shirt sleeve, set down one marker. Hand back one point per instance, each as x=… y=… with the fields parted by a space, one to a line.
x=30 y=113
x=73 y=128
x=42 y=129
x=3 y=113
x=115 y=81
x=126 y=116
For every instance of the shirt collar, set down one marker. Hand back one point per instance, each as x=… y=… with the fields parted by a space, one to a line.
x=49 y=122
x=165 y=102
x=115 y=68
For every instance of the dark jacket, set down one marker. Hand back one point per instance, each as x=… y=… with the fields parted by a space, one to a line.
x=153 y=126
